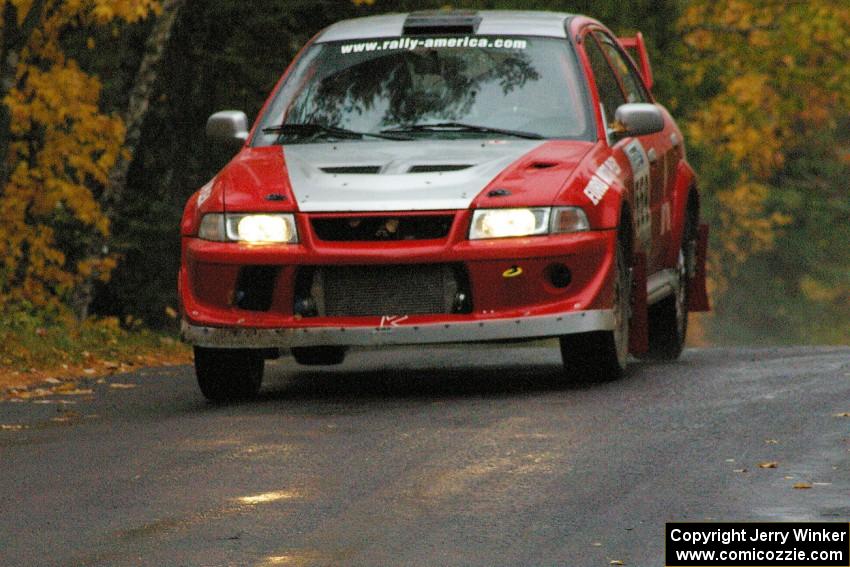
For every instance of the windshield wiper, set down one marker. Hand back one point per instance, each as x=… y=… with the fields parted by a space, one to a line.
x=313 y=129
x=462 y=127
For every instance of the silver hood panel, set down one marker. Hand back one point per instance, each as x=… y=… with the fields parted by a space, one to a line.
x=394 y=188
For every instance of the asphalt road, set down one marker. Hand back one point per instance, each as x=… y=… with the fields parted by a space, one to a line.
x=444 y=456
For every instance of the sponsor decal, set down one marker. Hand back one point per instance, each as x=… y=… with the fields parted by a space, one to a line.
x=411 y=43
x=596 y=189
x=640 y=179
x=512 y=272
x=602 y=179
x=390 y=321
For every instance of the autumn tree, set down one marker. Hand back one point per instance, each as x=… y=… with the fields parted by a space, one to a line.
x=98 y=251
x=769 y=136
x=56 y=148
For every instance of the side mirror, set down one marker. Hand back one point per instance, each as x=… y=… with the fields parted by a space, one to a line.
x=229 y=126
x=638 y=119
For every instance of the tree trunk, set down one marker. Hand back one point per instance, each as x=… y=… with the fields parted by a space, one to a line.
x=134 y=117
x=139 y=104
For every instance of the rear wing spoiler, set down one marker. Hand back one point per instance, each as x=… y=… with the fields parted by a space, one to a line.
x=637 y=49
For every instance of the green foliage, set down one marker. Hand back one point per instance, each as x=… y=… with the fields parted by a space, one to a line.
x=770 y=141
x=37 y=338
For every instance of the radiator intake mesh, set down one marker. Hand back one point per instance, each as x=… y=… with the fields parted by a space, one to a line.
x=359 y=291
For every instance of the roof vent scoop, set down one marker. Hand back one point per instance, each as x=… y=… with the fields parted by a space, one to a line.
x=442 y=22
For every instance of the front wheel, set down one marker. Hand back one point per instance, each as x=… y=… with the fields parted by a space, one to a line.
x=229 y=374
x=601 y=355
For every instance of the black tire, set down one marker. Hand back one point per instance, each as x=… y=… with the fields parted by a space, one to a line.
x=226 y=375
x=601 y=356
x=319 y=356
x=668 y=319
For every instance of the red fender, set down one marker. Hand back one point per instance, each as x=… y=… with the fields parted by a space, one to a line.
x=697 y=292
x=639 y=322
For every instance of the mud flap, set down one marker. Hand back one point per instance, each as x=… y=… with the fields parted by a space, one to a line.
x=697 y=293
x=639 y=322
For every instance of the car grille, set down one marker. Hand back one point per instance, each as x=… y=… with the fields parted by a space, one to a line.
x=356 y=291
x=382 y=228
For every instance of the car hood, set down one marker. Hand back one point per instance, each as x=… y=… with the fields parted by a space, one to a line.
x=400 y=175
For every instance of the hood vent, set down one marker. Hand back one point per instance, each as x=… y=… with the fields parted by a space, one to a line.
x=376 y=169
x=438 y=168
x=353 y=169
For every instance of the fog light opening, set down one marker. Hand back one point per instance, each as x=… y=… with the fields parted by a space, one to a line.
x=461 y=303
x=306 y=307
x=559 y=275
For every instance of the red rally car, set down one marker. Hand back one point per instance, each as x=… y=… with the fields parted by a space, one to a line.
x=444 y=177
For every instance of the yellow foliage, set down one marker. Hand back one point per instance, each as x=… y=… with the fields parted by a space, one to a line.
x=780 y=74
x=61 y=151
x=817 y=291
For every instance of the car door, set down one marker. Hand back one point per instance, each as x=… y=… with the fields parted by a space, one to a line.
x=618 y=83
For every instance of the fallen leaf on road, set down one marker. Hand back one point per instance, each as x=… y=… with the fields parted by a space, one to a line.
x=267 y=497
x=120 y=386
x=28 y=394
x=53 y=381
x=79 y=392
x=89 y=370
x=843 y=414
x=615 y=562
x=12 y=427
x=771 y=441
x=803 y=485
x=768 y=465
x=596 y=544
x=740 y=470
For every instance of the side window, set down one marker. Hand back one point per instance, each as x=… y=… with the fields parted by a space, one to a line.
x=631 y=81
x=610 y=93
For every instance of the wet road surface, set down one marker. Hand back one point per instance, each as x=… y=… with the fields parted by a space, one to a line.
x=438 y=456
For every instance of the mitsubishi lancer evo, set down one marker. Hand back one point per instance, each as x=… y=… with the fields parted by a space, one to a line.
x=446 y=177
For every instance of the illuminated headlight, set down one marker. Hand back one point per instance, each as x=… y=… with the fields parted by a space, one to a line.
x=251 y=228
x=506 y=223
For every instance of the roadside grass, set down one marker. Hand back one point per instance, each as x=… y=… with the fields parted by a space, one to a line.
x=49 y=347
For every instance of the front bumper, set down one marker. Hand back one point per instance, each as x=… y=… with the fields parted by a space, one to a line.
x=393 y=331
x=502 y=306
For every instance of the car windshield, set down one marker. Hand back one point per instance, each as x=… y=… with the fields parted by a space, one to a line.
x=429 y=87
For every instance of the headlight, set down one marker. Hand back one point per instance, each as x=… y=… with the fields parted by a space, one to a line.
x=251 y=228
x=505 y=223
